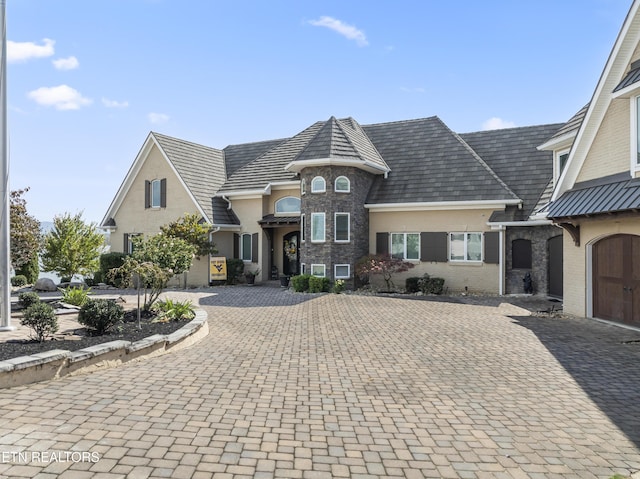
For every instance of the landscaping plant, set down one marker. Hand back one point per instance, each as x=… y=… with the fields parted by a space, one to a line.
x=169 y=310
x=100 y=315
x=382 y=264
x=76 y=296
x=19 y=280
x=28 y=298
x=41 y=318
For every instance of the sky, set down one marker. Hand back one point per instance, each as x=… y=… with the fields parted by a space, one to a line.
x=88 y=80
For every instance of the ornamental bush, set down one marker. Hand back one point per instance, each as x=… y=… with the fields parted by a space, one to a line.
x=300 y=283
x=100 y=315
x=318 y=284
x=28 y=298
x=41 y=318
x=411 y=284
x=19 y=280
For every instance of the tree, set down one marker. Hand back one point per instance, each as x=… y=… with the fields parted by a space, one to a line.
x=383 y=264
x=191 y=229
x=25 y=233
x=72 y=247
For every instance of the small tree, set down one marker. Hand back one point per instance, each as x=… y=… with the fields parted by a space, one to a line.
x=72 y=246
x=41 y=318
x=384 y=264
x=25 y=233
x=147 y=276
x=195 y=232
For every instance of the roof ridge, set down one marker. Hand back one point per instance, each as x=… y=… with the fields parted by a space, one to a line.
x=480 y=160
x=174 y=138
x=413 y=120
x=358 y=128
x=513 y=128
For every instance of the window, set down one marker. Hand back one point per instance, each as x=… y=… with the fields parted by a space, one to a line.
x=288 y=205
x=129 y=243
x=465 y=246
x=342 y=271
x=317 y=227
x=318 y=185
x=562 y=161
x=303 y=186
x=521 y=254
x=302 y=225
x=245 y=247
x=303 y=268
x=155 y=193
x=343 y=185
x=405 y=245
x=342 y=227
x=318 y=270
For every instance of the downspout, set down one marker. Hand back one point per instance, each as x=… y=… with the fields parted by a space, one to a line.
x=501 y=263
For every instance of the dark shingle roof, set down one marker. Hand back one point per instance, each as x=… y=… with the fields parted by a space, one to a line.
x=222 y=215
x=200 y=167
x=237 y=156
x=269 y=167
x=430 y=163
x=611 y=194
x=573 y=124
x=513 y=155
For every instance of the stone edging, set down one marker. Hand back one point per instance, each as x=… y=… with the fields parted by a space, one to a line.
x=59 y=363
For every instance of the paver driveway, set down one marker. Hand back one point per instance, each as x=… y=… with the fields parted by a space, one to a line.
x=311 y=386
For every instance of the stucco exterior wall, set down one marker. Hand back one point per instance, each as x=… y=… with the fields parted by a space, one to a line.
x=610 y=151
x=249 y=211
x=577 y=283
x=458 y=276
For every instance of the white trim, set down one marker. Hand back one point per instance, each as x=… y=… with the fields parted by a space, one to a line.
x=253 y=193
x=324 y=270
x=335 y=272
x=441 y=205
x=368 y=166
x=335 y=185
x=589 y=276
x=133 y=172
x=302 y=225
x=285 y=213
x=227 y=227
x=324 y=185
x=560 y=142
x=466 y=250
x=241 y=249
x=335 y=229
x=493 y=224
x=634 y=165
x=404 y=252
x=501 y=263
x=324 y=232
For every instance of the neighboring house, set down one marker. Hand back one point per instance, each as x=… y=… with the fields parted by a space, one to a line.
x=461 y=207
x=597 y=197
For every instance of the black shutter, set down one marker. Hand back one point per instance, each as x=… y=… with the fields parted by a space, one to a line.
x=236 y=245
x=434 y=246
x=254 y=248
x=147 y=194
x=125 y=243
x=163 y=193
x=492 y=247
x=382 y=243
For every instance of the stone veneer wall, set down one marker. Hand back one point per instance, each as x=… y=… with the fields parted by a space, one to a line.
x=539 y=236
x=330 y=253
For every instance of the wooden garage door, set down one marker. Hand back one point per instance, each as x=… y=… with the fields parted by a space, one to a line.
x=616 y=279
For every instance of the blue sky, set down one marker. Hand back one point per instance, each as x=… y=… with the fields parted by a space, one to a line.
x=88 y=80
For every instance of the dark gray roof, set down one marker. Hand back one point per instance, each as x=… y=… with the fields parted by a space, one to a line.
x=222 y=215
x=630 y=78
x=342 y=139
x=430 y=163
x=236 y=156
x=200 y=167
x=269 y=167
x=513 y=155
x=611 y=194
x=573 y=124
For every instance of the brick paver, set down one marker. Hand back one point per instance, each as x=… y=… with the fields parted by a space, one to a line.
x=315 y=386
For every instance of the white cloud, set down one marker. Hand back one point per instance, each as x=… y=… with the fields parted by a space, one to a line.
x=23 y=51
x=344 y=29
x=497 y=124
x=70 y=63
x=114 y=104
x=61 y=97
x=158 y=118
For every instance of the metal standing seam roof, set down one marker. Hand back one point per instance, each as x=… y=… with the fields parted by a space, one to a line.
x=612 y=194
x=633 y=76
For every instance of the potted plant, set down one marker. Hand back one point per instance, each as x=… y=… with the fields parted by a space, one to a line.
x=250 y=276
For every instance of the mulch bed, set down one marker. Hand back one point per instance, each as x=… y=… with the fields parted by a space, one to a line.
x=127 y=331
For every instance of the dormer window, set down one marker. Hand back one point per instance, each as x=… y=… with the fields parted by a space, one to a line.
x=342 y=185
x=561 y=162
x=318 y=185
x=289 y=205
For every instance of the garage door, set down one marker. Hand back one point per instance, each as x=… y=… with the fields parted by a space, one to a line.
x=616 y=279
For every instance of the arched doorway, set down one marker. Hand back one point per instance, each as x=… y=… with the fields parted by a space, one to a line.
x=291 y=254
x=616 y=279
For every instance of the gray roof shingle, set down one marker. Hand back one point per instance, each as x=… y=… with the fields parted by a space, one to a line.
x=237 y=156
x=430 y=163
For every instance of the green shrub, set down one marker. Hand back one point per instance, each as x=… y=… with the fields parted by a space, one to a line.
x=338 y=286
x=28 y=298
x=411 y=284
x=235 y=270
x=430 y=285
x=170 y=310
x=300 y=283
x=31 y=269
x=19 y=280
x=75 y=296
x=109 y=261
x=41 y=318
x=101 y=315
x=318 y=284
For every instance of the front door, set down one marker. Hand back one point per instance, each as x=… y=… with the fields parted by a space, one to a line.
x=291 y=254
x=616 y=279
